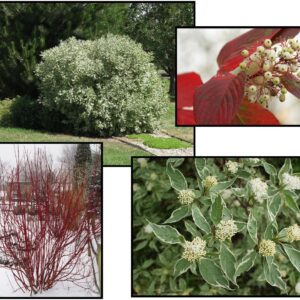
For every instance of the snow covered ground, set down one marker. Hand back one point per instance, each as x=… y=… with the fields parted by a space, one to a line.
x=9 y=288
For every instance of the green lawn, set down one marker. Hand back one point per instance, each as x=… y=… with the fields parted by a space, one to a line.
x=160 y=142
x=115 y=152
x=168 y=125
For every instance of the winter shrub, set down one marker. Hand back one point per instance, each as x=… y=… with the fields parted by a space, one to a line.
x=216 y=226
x=104 y=87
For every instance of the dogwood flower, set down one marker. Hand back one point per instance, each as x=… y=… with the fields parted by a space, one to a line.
x=225 y=230
x=194 y=250
x=232 y=166
x=186 y=196
x=293 y=233
x=259 y=189
x=291 y=182
x=210 y=181
x=267 y=248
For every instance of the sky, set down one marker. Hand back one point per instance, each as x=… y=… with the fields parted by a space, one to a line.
x=8 y=151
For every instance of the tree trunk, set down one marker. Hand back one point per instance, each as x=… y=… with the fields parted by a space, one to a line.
x=172 y=87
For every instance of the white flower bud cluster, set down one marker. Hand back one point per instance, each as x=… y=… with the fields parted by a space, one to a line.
x=291 y=182
x=265 y=67
x=210 y=181
x=259 y=189
x=253 y=160
x=293 y=233
x=143 y=162
x=186 y=196
x=297 y=288
x=226 y=194
x=267 y=248
x=232 y=166
x=194 y=250
x=225 y=230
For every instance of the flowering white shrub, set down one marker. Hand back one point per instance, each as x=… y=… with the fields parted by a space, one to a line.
x=229 y=233
x=104 y=87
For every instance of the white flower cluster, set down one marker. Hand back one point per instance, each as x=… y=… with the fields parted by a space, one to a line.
x=225 y=230
x=105 y=87
x=194 y=250
x=259 y=189
x=291 y=182
x=210 y=181
x=293 y=233
x=267 y=248
x=186 y=196
x=232 y=166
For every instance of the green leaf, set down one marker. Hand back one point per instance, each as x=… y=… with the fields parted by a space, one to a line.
x=216 y=212
x=289 y=199
x=200 y=164
x=181 y=266
x=178 y=214
x=227 y=261
x=252 y=227
x=246 y=263
x=213 y=274
x=177 y=179
x=271 y=231
x=272 y=275
x=199 y=219
x=293 y=255
x=271 y=170
x=191 y=228
x=176 y=162
x=141 y=245
x=273 y=206
x=243 y=174
x=286 y=168
x=221 y=186
x=167 y=234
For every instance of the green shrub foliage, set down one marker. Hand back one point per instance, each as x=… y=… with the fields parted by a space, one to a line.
x=105 y=87
x=216 y=226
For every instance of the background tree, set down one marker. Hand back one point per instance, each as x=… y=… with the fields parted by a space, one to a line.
x=83 y=159
x=153 y=25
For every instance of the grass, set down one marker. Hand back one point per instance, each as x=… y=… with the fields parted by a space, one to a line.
x=168 y=125
x=160 y=142
x=115 y=152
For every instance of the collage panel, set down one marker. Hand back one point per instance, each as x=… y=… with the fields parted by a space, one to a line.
x=93 y=72
x=238 y=76
x=215 y=226
x=51 y=216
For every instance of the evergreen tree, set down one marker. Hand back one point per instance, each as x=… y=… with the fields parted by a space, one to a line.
x=154 y=25
x=83 y=159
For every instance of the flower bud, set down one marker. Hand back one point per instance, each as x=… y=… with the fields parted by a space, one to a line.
x=282 y=68
x=243 y=65
x=252 y=98
x=245 y=53
x=293 y=233
x=252 y=89
x=210 y=181
x=276 y=80
x=186 y=196
x=255 y=57
x=267 y=66
x=282 y=98
x=268 y=75
x=194 y=250
x=268 y=43
x=267 y=248
x=294 y=68
x=283 y=90
x=225 y=230
x=260 y=49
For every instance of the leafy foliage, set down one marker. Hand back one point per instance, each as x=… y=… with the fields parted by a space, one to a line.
x=104 y=87
x=253 y=252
